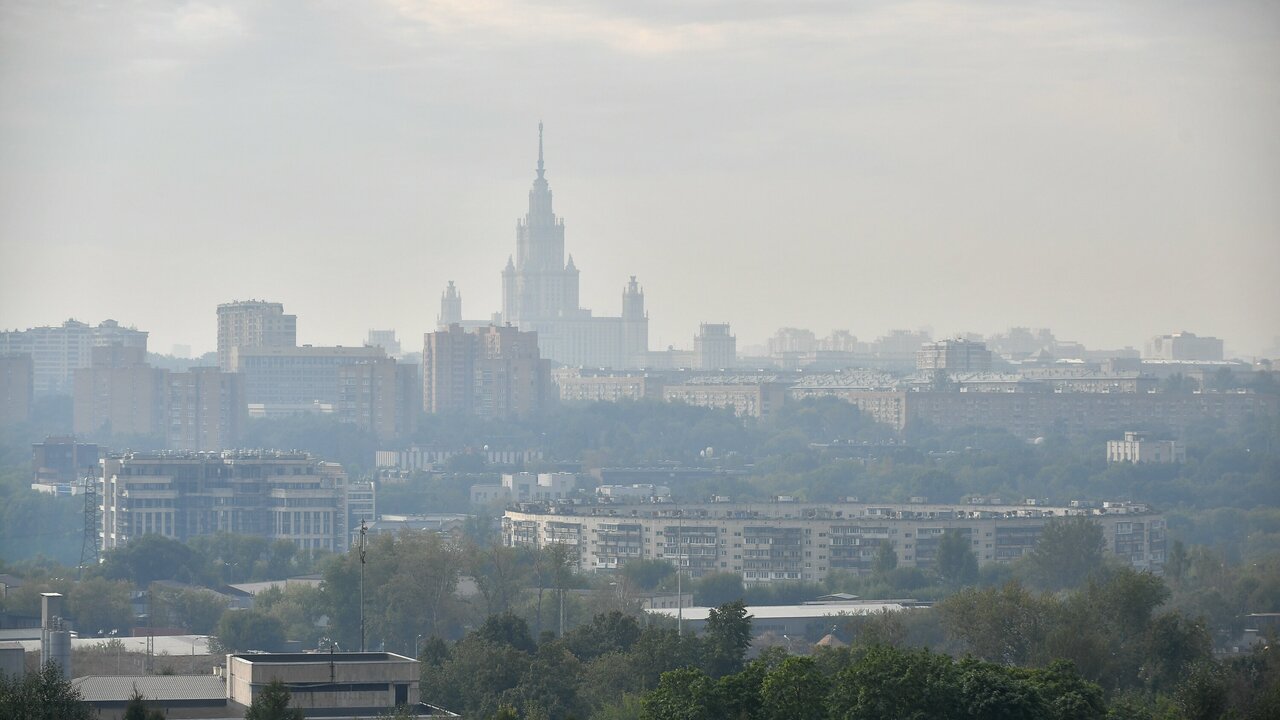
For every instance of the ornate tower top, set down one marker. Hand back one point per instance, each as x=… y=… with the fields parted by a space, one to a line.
x=540 y=166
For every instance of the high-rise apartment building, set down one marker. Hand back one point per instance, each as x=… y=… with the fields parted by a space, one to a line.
x=250 y=324
x=272 y=495
x=57 y=352
x=119 y=394
x=381 y=396
x=17 y=387
x=540 y=294
x=206 y=409
x=714 y=348
x=385 y=339
x=492 y=372
x=955 y=355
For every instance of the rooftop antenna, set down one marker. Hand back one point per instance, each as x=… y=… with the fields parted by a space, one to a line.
x=363 y=537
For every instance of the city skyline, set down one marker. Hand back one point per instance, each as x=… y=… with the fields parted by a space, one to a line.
x=1080 y=172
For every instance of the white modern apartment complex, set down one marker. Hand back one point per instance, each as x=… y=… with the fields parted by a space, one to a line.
x=274 y=495
x=771 y=542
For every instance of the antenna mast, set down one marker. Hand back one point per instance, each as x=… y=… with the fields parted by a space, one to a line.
x=89 y=541
x=363 y=536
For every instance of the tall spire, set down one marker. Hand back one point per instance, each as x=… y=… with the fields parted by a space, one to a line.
x=540 y=168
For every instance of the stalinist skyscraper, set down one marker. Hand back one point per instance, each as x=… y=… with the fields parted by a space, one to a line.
x=540 y=293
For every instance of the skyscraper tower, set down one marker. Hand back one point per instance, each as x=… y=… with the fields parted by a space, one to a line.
x=450 y=307
x=635 y=325
x=538 y=284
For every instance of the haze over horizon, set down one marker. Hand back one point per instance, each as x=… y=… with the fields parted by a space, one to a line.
x=1110 y=172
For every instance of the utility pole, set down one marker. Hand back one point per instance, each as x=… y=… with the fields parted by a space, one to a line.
x=363 y=536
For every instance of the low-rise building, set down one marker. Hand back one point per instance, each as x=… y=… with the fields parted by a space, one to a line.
x=581 y=385
x=1136 y=447
x=526 y=487
x=768 y=542
x=342 y=683
x=746 y=395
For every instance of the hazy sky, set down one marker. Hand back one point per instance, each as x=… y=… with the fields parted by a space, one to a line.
x=1107 y=169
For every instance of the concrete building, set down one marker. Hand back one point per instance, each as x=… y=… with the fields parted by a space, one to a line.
x=250 y=324
x=526 y=487
x=57 y=352
x=119 y=394
x=1183 y=346
x=385 y=339
x=1137 y=448
x=273 y=495
x=582 y=385
x=769 y=542
x=380 y=395
x=540 y=294
x=362 y=504
x=339 y=684
x=746 y=395
x=296 y=379
x=714 y=347
x=433 y=458
x=63 y=461
x=953 y=356
x=495 y=372
x=206 y=409
x=17 y=388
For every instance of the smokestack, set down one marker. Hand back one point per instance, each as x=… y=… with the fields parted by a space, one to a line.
x=55 y=639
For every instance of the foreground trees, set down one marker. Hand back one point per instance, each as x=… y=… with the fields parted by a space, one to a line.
x=41 y=695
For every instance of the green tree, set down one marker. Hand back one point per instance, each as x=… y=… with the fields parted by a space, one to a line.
x=794 y=689
x=647 y=574
x=889 y=684
x=727 y=637
x=684 y=694
x=272 y=703
x=41 y=695
x=241 y=630
x=1003 y=625
x=100 y=605
x=1068 y=551
x=136 y=708
x=611 y=632
x=886 y=559
x=957 y=563
x=507 y=629
x=154 y=557
x=715 y=589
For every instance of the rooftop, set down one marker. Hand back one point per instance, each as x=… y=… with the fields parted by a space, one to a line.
x=120 y=688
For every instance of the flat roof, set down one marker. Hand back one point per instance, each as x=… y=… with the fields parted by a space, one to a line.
x=782 y=612
x=322 y=657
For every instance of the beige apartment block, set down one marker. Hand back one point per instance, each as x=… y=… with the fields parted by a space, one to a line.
x=771 y=542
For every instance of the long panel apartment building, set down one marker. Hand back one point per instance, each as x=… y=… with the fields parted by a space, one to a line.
x=772 y=542
x=181 y=495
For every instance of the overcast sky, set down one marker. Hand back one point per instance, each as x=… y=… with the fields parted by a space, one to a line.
x=1107 y=169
